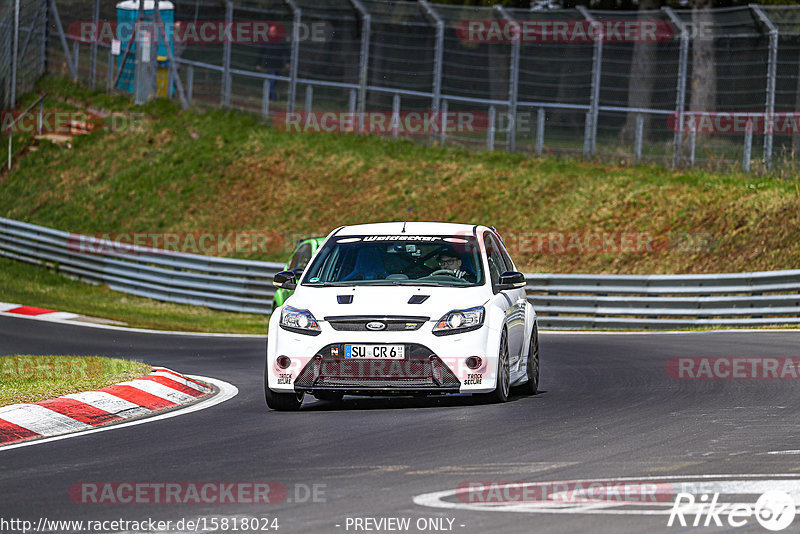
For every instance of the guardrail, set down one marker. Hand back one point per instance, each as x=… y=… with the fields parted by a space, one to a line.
x=560 y=300
x=219 y=283
x=665 y=301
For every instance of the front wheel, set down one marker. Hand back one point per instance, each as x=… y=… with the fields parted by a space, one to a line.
x=501 y=392
x=284 y=402
x=531 y=387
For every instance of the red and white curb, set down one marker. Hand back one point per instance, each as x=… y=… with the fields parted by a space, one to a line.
x=161 y=389
x=31 y=311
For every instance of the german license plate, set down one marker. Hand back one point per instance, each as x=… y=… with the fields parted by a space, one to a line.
x=381 y=352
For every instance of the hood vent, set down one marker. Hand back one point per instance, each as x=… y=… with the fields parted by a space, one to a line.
x=418 y=299
x=344 y=299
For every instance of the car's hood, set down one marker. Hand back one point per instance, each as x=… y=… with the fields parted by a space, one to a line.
x=386 y=300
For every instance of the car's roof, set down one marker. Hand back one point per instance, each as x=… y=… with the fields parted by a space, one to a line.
x=411 y=228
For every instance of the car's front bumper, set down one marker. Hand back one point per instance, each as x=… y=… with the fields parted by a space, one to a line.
x=420 y=371
x=432 y=364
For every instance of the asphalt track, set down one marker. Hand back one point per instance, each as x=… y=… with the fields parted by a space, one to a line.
x=607 y=409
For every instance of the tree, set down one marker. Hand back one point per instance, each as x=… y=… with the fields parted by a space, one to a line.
x=640 y=82
x=704 y=75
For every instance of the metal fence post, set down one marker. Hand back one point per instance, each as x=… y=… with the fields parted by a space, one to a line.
x=189 y=83
x=76 y=50
x=351 y=105
x=45 y=37
x=14 y=62
x=540 y=118
x=590 y=144
x=363 y=67
x=513 y=78
x=443 y=124
x=680 y=96
x=110 y=73
x=309 y=98
x=491 y=129
x=297 y=15
x=772 y=67
x=748 y=145
x=93 y=61
x=438 y=54
x=395 y=115
x=226 y=58
x=265 y=99
x=637 y=149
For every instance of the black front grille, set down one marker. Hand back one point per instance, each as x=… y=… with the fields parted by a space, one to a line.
x=421 y=369
x=392 y=324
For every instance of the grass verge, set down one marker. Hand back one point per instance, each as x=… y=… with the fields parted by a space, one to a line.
x=38 y=378
x=170 y=171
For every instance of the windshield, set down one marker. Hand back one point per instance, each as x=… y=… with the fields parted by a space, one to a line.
x=397 y=260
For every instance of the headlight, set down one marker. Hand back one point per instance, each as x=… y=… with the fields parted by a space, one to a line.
x=300 y=321
x=458 y=321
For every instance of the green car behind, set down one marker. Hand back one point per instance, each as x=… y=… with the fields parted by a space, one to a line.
x=302 y=253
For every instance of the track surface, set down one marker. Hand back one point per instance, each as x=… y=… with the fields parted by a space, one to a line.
x=608 y=409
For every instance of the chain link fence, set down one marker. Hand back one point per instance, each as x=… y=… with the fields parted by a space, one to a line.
x=23 y=26
x=715 y=88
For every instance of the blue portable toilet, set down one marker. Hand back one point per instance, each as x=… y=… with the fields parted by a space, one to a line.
x=127 y=11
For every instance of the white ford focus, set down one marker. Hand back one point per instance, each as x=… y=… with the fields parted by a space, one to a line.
x=403 y=309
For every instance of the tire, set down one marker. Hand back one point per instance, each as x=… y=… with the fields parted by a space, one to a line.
x=503 y=388
x=531 y=387
x=283 y=402
x=330 y=396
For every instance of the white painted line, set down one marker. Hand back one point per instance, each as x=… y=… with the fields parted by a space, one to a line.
x=226 y=392
x=40 y=419
x=181 y=380
x=790 y=451
x=5 y=306
x=159 y=390
x=109 y=403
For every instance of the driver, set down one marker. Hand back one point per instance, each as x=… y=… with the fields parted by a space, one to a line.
x=450 y=261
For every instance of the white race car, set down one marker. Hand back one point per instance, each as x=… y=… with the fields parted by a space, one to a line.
x=403 y=309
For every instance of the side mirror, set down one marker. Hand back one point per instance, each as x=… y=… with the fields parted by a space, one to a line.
x=285 y=280
x=511 y=280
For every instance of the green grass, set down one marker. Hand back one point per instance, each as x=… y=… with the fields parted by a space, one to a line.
x=210 y=170
x=21 y=283
x=37 y=378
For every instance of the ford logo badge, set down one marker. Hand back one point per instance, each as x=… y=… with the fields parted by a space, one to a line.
x=375 y=325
